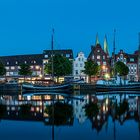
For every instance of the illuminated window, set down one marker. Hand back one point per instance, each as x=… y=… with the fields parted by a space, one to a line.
x=37 y=67
x=98 y=57
x=12 y=68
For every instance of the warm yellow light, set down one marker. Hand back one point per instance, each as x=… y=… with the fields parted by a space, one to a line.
x=107 y=76
x=37 y=67
x=40 y=75
x=103 y=67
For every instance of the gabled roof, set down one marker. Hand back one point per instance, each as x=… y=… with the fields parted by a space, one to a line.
x=21 y=59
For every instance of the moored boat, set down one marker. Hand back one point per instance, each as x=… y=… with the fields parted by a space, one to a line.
x=61 y=87
x=127 y=87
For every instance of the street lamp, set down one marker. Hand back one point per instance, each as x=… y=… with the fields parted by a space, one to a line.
x=107 y=76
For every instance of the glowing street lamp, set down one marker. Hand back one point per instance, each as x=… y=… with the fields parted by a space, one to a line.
x=107 y=76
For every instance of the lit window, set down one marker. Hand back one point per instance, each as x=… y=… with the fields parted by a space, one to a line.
x=98 y=63
x=98 y=50
x=7 y=63
x=37 y=67
x=7 y=68
x=34 y=62
x=46 y=56
x=25 y=62
x=92 y=56
x=103 y=56
x=98 y=56
x=12 y=68
x=16 y=62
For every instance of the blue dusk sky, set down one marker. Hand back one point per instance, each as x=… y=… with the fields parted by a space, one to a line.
x=25 y=25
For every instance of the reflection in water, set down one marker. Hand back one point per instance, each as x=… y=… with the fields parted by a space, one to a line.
x=62 y=109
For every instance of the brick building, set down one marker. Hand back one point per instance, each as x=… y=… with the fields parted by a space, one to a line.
x=101 y=56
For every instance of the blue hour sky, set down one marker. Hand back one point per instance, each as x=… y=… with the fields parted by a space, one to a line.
x=25 y=25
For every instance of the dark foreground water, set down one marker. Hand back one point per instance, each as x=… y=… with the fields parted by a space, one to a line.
x=70 y=117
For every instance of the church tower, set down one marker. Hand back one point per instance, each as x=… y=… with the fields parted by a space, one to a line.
x=106 y=50
x=97 y=40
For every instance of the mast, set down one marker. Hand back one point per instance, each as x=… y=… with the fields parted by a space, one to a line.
x=52 y=45
x=114 y=43
x=114 y=49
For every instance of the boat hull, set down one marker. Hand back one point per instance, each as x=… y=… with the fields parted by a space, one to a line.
x=56 y=88
x=118 y=88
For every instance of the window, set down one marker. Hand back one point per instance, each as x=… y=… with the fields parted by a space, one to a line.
x=81 y=65
x=76 y=71
x=25 y=62
x=34 y=62
x=92 y=56
x=98 y=63
x=121 y=56
x=104 y=63
x=7 y=68
x=98 y=50
x=7 y=63
x=103 y=56
x=79 y=59
x=16 y=62
x=12 y=68
x=37 y=67
x=67 y=55
x=131 y=59
x=98 y=56
x=46 y=56
x=76 y=65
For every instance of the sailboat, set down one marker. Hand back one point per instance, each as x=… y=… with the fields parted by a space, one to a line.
x=54 y=87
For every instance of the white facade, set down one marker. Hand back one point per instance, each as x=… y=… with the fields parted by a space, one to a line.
x=78 y=66
x=132 y=71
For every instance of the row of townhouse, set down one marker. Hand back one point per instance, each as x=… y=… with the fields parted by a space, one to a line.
x=36 y=61
x=98 y=54
x=101 y=56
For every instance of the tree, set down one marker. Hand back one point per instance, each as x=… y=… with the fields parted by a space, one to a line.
x=121 y=69
x=25 y=70
x=59 y=113
x=62 y=66
x=91 y=69
x=2 y=69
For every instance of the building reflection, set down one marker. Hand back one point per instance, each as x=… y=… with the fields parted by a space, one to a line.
x=96 y=108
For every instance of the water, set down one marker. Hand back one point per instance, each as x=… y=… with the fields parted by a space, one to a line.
x=70 y=116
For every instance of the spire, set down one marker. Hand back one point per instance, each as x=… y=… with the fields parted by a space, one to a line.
x=97 y=39
x=106 y=45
